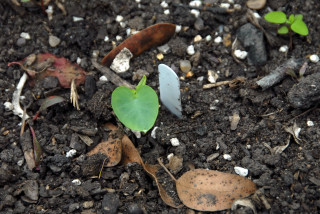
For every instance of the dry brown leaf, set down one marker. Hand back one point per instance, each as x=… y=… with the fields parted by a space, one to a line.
x=110 y=148
x=152 y=171
x=152 y=36
x=209 y=190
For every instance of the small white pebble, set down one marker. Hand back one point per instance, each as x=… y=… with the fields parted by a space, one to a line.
x=195 y=3
x=208 y=38
x=71 y=153
x=50 y=9
x=227 y=157
x=170 y=156
x=197 y=38
x=195 y=12
x=118 y=38
x=310 y=123
x=20 y=162
x=76 y=182
x=284 y=48
x=106 y=38
x=8 y=106
x=248 y=146
x=218 y=40
x=136 y=133
x=128 y=31
x=190 y=50
x=237 y=6
x=22 y=97
x=241 y=171
x=178 y=28
x=103 y=79
x=200 y=79
x=231 y=1
x=225 y=5
x=212 y=76
x=166 y=12
x=240 y=54
x=119 y=18
x=122 y=24
x=153 y=132
x=78 y=60
x=77 y=19
x=174 y=142
x=314 y=58
x=257 y=15
x=25 y=35
x=138 y=1
x=164 y=4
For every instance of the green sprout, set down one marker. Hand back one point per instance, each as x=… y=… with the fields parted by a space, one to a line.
x=294 y=23
x=136 y=109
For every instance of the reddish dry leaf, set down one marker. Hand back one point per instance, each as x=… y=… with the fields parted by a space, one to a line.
x=152 y=36
x=42 y=65
x=110 y=148
x=209 y=190
x=36 y=148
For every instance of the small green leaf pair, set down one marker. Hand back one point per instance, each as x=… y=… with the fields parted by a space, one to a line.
x=136 y=109
x=295 y=22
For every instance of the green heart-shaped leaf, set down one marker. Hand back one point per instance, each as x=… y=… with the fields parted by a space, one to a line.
x=277 y=17
x=136 y=109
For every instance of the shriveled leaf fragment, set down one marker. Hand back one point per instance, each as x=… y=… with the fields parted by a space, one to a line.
x=49 y=101
x=152 y=36
x=39 y=66
x=110 y=148
x=209 y=190
x=244 y=202
x=36 y=148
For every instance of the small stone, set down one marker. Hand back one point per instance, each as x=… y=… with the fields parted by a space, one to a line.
x=195 y=12
x=199 y=24
x=121 y=62
x=185 y=66
x=54 y=41
x=241 y=171
x=170 y=156
x=21 y=42
x=212 y=157
x=25 y=35
x=310 y=123
x=164 y=48
x=178 y=28
x=31 y=190
x=237 y=6
x=77 y=19
x=106 y=38
x=208 y=38
x=73 y=207
x=76 y=182
x=164 y=4
x=167 y=11
x=195 y=3
x=189 y=74
x=234 y=121
x=174 y=142
x=227 y=157
x=103 y=79
x=256 y=4
x=87 y=204
x=225 y=5
x=240 y=54
x=197 y=38
x=153 y=132
x=284 y=48
x=160 y=56
x=212 y=76
x=190 y=50
x=78 y=60
x=8 y=106
x=71 y=153
x=118 y=38
x=123 y=24
x=119 y=18
x=136 y=133
x=314 y=58
x=218 y=40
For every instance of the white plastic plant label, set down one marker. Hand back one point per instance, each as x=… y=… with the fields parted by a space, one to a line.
x=170 y=90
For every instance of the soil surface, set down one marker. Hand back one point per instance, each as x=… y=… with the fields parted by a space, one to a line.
x=288 y=180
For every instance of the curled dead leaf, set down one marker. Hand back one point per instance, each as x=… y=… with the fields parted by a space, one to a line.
x=39 y=66
x=152 y=36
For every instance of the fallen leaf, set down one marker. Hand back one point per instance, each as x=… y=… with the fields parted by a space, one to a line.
x=37 y=151
x=152 y=36
x=209 y=190
x=42 y=65
x=110 y=148
x=49 y=101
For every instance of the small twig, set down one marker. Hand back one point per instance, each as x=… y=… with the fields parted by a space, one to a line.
x=165 y=168
x=115 y=79
x=102 y=167
x=231 y=83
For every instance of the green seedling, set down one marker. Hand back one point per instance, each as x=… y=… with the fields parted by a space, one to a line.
x=136 y=109
x=294 y=23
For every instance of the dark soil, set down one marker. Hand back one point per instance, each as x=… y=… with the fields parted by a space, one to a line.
x=289 y=182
